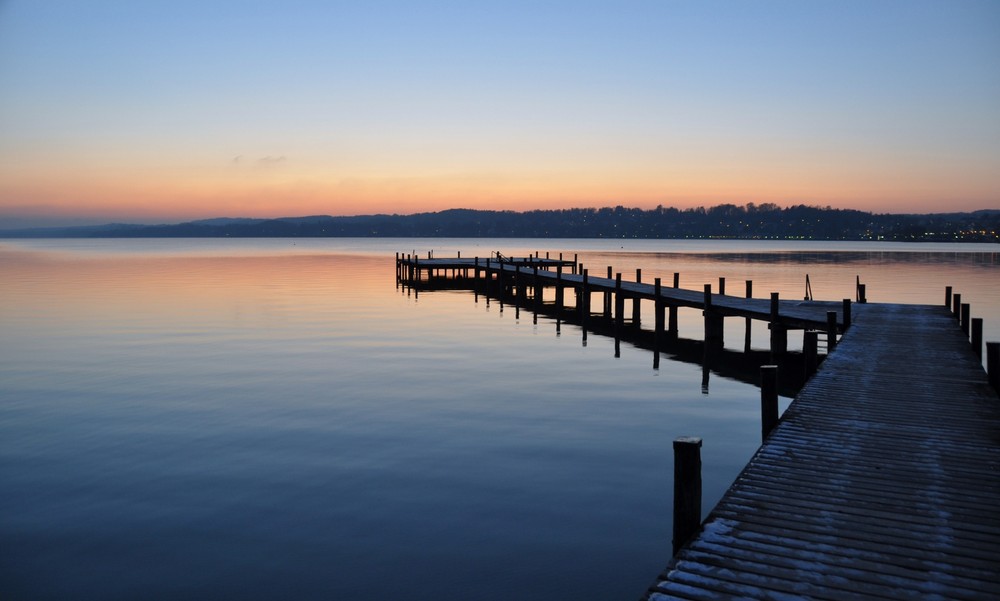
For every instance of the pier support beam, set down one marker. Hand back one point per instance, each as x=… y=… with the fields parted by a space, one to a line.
x=636 y=317
x=687 y=490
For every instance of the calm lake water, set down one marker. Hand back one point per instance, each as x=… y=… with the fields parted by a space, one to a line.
x=276 y=419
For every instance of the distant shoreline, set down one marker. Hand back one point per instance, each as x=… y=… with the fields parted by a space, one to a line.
x=722 y=222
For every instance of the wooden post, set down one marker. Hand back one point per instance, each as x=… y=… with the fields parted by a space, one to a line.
x=635 y=301
x=779 y=335
x=585 y=300
x=687 y=489
x=977 y=337
x=539 y=291
x=607 y=298
x=672 y=310
x=864 y=295
x=749 y=327
x=993 y=364
x=947 y=296
x=560 y=294
x=619 y=306
x=831 y=331
x=714 y=334
x=722 y=285
x=768 y=399
x=658 y=318
x=966 y=319
x=956 y=305
x=810 y=352
x=847 y=313
x=575 y=264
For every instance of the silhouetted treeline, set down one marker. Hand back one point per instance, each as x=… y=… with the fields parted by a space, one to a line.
x=765 y=221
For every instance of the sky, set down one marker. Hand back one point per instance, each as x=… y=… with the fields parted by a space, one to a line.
x=160 y=111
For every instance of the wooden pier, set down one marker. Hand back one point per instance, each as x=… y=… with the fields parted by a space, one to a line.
x=880 y=481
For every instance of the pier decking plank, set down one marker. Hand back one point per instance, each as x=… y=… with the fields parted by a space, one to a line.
x=880 y=482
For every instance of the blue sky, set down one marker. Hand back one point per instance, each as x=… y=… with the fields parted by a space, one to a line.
x=172 y=110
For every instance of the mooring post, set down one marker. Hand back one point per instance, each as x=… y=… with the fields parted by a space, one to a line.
x=575 y=264
x=687 y=489
x=956 y=306
x=585 y=300
x=768 y=399
x=810 y=352
x=947 y=296
x=722 y=285
x=831 y=331
x=635 y=301
x=993 y=364
x=977 y=337
x=864 y=295
x=847 y=313
x=966 y=319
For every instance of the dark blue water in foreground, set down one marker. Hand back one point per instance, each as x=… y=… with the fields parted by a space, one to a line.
x=273 y=419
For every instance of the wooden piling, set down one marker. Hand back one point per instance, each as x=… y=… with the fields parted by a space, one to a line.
x=831 y=331
x=810 y=352
x=862 y=292
x=619 y=306
x=635 y=302
x=658 y=318
x=977 y=337
x=947 y=296
x=768 y=399
x=714 y=328
x=749 y=326
x=672 y=311
x=966 y=319
x=993 y=364
x=956 y=305
x=847 y=313
x=608 y=298
x=687 y=489
x=779 y=334
x=722 y=285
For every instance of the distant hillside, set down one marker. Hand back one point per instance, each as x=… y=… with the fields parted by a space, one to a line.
x=727 y=221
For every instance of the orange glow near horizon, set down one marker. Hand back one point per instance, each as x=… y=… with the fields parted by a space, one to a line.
x=149 y=197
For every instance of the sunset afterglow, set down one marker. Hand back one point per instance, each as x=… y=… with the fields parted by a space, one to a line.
x=159 y=112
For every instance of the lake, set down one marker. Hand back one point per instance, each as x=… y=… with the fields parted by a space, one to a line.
x=277 y=418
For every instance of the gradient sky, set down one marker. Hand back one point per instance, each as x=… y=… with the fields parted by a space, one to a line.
x=164 y=111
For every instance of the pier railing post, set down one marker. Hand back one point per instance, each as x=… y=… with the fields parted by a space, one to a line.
x=947 y=296
x=966 y=319
x=768 y=399
x=956 y=305
x=687 y=489
x=993 y=364
x=847 y=313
